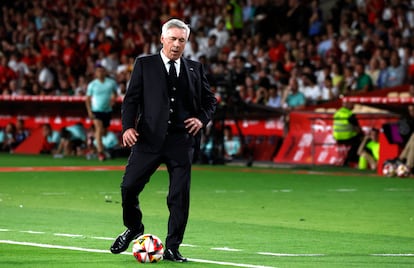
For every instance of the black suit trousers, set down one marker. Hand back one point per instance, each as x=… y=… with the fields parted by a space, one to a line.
x=177 y=153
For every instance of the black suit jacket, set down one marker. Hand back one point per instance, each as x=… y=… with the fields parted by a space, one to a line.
x=146 y=102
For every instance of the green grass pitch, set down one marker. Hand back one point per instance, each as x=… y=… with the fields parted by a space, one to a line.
x=239 y=217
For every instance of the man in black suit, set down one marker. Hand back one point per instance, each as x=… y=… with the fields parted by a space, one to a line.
x=167 y=103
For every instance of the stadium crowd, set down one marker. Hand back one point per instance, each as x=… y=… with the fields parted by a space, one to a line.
x=279 y=53
x=262 y=49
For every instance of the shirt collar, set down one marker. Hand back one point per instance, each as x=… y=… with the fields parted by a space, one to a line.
x=167 y=64
x=166 y=60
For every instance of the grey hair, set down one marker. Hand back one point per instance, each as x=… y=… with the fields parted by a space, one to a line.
x=175 y=23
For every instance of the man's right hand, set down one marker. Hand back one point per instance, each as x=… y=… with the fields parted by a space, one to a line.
x=129 y=137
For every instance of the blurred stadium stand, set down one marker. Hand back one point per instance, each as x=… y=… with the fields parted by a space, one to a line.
x=277 y=135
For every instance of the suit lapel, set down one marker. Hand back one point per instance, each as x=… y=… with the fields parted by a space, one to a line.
x=160 y=64
x=191 y=76
x=188 y=71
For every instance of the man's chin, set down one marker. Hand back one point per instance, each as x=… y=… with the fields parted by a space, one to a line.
x=175 y=55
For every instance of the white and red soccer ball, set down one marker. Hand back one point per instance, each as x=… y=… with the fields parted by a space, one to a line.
x=402 y=171
x=389 y=169
x=395 y=169
x=148 y=248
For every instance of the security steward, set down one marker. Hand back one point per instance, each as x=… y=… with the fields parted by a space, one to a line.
x=347 y=131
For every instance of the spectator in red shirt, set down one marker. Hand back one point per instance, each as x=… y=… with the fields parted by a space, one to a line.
x=46 y=49
x=69 y=55
x=29 y=58
x=6 y=73
x=104 y=43
x=276 y=49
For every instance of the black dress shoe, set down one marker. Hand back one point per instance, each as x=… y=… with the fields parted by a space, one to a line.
x=173 y=255
x=123 y=240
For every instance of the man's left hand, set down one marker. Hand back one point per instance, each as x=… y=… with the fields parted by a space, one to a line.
x=193 y=125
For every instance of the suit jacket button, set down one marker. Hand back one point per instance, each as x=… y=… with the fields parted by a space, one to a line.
x=172 y=99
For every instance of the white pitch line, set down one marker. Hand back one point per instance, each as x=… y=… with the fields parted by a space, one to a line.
x=102 y=238
x=230 y=191
x=68 y=235
x=32 y=232
x=398 y=190
x=344 y=190
x=282 y=190
x=226 y=249
x=126 y=253
x=231 y=264
x=394 y=255
x=290 y=254
x=49 y=193
x=188 y=245
x=52 y=246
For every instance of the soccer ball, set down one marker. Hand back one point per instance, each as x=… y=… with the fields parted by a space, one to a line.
x=402 y=171
x=148 y=248
x=389 y=169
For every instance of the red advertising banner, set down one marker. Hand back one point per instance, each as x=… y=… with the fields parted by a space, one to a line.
x=57 y=122
x=268 y=127
x=310 y=140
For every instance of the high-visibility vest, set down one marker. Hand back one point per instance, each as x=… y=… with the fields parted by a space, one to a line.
x=237 y=22
x=374 y=146
x=342 y=129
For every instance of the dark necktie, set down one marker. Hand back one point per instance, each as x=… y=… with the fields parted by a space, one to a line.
x=172 y=73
